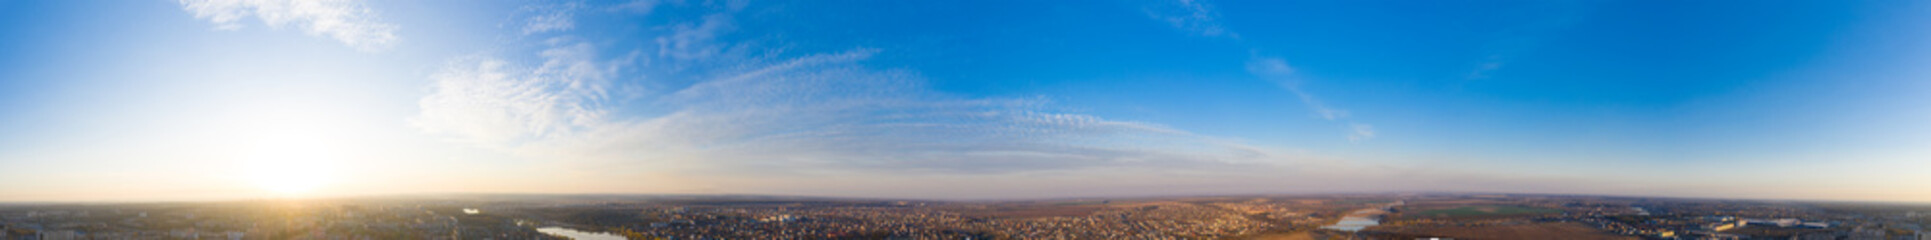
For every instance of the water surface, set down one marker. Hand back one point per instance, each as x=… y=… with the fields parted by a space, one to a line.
x=578 y=235
x=1360 y=219
x=1354 y=222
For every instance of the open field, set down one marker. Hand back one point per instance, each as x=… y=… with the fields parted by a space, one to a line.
x=1029 y=210
x=1363 y=201
x=1525 y=231
x=1283 y=236
x=1774 y=231
x=1483 y=210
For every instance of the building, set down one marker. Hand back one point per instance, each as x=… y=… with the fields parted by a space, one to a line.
x=59 y=235
x=1722 y=226
x=183 y=233
x=1782 y=222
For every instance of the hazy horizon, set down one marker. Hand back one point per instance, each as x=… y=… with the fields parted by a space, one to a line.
x=118 y=101
x=722 y=196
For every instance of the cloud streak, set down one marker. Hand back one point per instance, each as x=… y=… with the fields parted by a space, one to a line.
x=1190 y=15
x=809 y=114
x=694 y=41
x=1361 y=132
x=545 y=19
x=1276 y=70
x=815 y=113
x=347 y=21
x=494 y=101
x=1198 y=17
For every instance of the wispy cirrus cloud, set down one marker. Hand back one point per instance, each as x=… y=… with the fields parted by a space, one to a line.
x=348 y=21
x=823 y=112
x=818 y=112
x=1190 y=15
x=550 y=18
x=1198 y=17
x=1276 y=70
x=1361 y=132
x=494 y=101
x=637 y=6
x=695 y=41
x=1526 y=36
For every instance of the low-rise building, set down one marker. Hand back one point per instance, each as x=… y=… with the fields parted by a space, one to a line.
x=59 y=235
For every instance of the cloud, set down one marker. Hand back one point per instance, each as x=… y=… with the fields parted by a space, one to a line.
x=823 y=112
x=493 y=101
x=637 y=6
x=347 y=21
x=1199 y=18
x=1362 y=132
x=690 y=41
x=824 y=109
x=550 y=18
x=1271 y=67
x=1487 y=66
x=1525 y=36
x=819 y=112
x=829 y=124
x=1190 y=15
x=1276 y=70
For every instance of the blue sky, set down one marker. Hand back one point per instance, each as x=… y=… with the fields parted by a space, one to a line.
x=222 y=99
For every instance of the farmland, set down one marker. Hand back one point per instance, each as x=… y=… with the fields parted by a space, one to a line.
x=1483 y=210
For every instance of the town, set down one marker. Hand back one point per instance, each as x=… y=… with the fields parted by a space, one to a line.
x=1315 y=216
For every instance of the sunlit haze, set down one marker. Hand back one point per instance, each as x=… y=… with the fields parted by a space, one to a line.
x=194 y=100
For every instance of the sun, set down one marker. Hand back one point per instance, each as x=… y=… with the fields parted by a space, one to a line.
x=291 y=163
x=291 y=175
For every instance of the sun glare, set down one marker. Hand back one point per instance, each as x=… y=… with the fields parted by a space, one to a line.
x=292 y=175
x=290 y=155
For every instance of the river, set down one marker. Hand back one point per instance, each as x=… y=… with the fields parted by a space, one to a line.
x=1363 y=218
x=578 y=235
x=1358 y=220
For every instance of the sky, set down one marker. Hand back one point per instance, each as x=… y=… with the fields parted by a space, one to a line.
x=190 y=100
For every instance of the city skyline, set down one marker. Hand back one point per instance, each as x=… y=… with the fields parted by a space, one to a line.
x=252 y=99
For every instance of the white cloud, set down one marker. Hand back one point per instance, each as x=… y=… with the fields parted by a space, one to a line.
x=638 y=6
x=818 y=122
x=1487 y=66
x=348 y=21
x=694 y=41
x=1362 y=132
x=1190 y=15
x=814 y=113
x=497 y=102
x=551 y=18
x=1199 y=18
x=1277 y=71
x=1269 y=67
